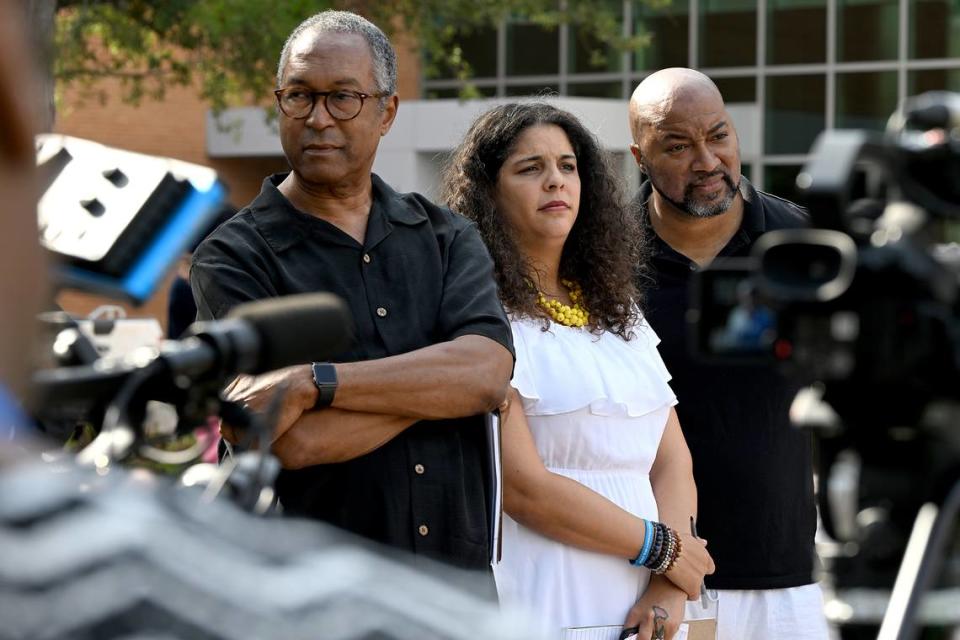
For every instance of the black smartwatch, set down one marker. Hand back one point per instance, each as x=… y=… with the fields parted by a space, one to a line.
x=325 y=377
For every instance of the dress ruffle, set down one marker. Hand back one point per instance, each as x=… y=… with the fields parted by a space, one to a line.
x=574 y=368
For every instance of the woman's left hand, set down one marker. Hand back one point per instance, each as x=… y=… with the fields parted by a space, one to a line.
x=691 y=565
x=659 y=611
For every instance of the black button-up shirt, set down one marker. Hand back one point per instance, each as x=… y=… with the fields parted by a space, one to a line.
x=752 y=468
x=421 y=276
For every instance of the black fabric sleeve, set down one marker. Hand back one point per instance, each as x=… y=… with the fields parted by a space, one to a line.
x=181 y=309
x=224 y=274
x=471 y=304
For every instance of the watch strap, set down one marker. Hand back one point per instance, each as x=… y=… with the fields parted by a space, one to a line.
x=325 y=379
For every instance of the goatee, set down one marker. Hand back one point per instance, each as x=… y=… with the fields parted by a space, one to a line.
x=703 y=209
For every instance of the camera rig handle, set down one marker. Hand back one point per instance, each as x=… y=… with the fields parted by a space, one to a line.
x=826 y=184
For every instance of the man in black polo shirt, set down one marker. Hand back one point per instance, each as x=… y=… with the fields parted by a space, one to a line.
x=388 y=441
x=753 y=470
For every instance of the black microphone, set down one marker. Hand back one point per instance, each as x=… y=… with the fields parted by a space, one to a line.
x=255 y=337
x=265 y=335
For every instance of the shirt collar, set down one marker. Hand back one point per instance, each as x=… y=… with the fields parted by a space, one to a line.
x=754 y=218
x=283 y=225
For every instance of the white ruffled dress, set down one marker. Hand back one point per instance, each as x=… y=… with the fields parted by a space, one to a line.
x=597 y=407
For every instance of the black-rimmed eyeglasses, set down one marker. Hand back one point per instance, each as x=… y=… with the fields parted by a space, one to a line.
x=341 y=104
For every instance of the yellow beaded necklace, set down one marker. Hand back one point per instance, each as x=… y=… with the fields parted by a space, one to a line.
x=570 y=316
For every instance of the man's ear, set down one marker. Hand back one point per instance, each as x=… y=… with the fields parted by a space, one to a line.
x=389 y=114
x=638 y=156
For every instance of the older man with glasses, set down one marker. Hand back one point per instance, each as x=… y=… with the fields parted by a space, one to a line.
x=387 y=440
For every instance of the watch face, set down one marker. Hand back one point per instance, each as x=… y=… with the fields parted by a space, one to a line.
x=325 y=378
x=324 y=375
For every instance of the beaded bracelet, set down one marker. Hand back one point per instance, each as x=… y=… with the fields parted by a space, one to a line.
x=661 y=568
x=661 y=542
x=670 y=555
x=664 y=551
x=658 y=547
x=676 y=556
x=664 y=554
x=660 y=550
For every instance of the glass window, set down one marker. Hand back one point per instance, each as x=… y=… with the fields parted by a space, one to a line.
x=780 y=180
x=477 y=47
x=934 y=28
x=542 y=90
x=455 y=92
x=737 y=89
x=746 y=170
x=434 y=94
x=796 y=31
x=867 y=30
x=532 y=49
x=667 y=24
x=794 y=112
x=587 y=54
x=728 y=33
x=865 y=100
x=933 y=80
x=596 y=89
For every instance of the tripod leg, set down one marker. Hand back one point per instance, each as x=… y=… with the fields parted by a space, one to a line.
x=924 y=553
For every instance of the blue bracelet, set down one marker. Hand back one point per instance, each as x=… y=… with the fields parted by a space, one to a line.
x=647 y=544
x=649 y=536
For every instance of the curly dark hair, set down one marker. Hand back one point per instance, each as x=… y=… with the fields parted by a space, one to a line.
x=604 y=249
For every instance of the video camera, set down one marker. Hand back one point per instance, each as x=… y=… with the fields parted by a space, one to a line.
x=864 y=306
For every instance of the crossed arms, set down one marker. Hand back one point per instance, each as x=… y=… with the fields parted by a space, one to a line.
x=377 y=399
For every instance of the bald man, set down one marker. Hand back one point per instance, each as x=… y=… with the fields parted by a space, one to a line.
x=753 y=470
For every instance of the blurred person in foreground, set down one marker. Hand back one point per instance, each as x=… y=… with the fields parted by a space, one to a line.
x=23 y=277
x=592 y=450
x=388 y=440
x=752 y=467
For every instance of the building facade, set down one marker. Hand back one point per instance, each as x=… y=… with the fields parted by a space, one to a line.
x=788 y=69
x=792 y=67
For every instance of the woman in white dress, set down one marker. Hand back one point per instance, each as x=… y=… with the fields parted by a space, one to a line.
x=593 y=454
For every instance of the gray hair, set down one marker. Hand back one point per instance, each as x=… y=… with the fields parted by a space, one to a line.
x=384 y=57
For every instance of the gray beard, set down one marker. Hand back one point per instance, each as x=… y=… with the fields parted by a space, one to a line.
x=702 y=209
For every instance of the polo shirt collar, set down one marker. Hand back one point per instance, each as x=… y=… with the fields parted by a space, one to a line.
x=754 y=218
x=283 y=225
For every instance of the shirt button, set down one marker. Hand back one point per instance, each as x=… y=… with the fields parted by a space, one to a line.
x=423 y=530
x=419 y=469
x=366 y=258
x=381 y=312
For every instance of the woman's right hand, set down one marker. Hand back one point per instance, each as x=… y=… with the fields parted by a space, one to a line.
x=691 y=565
